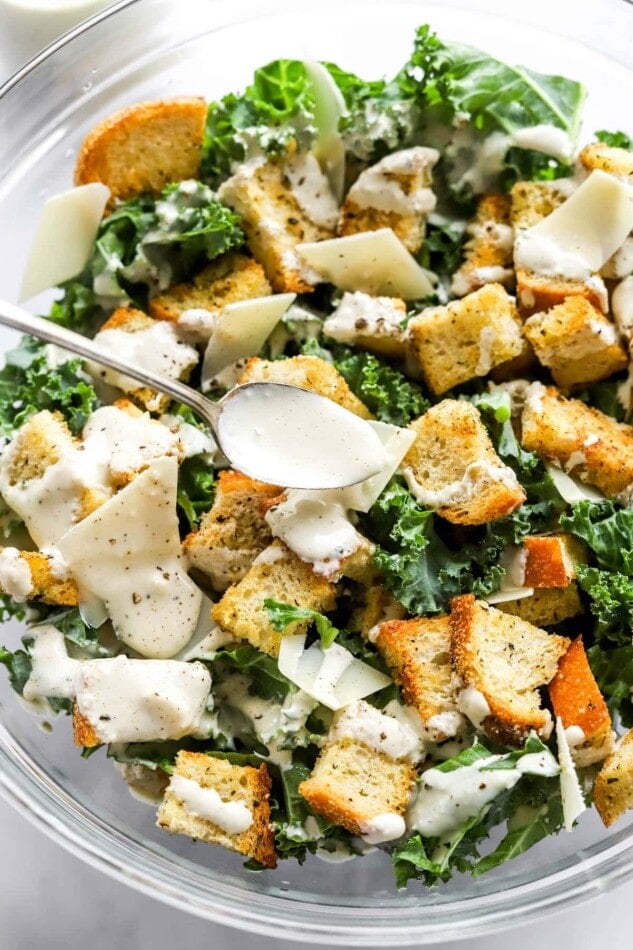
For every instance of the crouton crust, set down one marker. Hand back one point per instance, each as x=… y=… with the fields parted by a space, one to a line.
x=83 y=732
x=488 y=250
x=144 y=147
x=47 y=587
x=547 y=606
x=607 y=158
x=613 y=788
x=551 y=560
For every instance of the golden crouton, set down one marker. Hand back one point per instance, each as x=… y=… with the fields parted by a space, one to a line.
x=45 y=585
x=453 y=467
x=227 y=279
x=377 y=605
x=547 y=606
x=550 y=560
x=351 y=784
x=83 y=731
x=418 y=653
x=613 y=789
x=241 y=784
x=577 y=700
x=280 y=575
x=274 y=220
x=577 y=343
x=370 y=323
x=507 y=660
x=144 y=147
x=488 y=250
x=394 y=193
x=584 y=441
x=306 y=372
x=607 y=158
x=233 y=532
x=466 y=338
x=531 y=201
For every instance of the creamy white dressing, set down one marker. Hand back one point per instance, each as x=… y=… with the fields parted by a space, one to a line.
x=232 y=816
x=476 y=475
x=444 y=725
x=620 y=264
x=487 y=339
x=365 y=724
x=311 y=190
x=361 y=315
x=191 y=439
x=128 y=554
x=574 y=735
x=474 y=705
x=197 y=324
x=15 y=575
x=385 y=827
x=292 y=437
x=385 y=185
x=53 y=672
x=127 y=441
x=545 y=138
x=464 y=282
x=622 y=306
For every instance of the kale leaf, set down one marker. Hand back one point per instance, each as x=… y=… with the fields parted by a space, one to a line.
x=196 y=488
x=386 y=392
x=615 y=139
x=605 y=528
x=266 y=679
x=611 y=603
x=18 y=665
x=281 y=615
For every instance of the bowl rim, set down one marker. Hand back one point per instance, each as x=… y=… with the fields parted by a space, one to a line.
x=27 y=787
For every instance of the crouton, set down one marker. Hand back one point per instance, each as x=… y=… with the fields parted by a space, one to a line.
x=453 y=467
x=584 y=441
x=544 y=560
x=613 y=788
x=418 y=653
x=40 y=442
x=45 y=584
x=394 y=193
x=607 y=158
x=306 y=372
x=577 y=343
x=577 y=700
x=83 y=731
x=144 y=147
x=227 y=279
x=377 y=605
x=547 y=606
x=156 y=347
x=233 y=532
x=280 y=575
x=370 y=323
x=531 y=201
x=283 y=201
x=238 y=785
x=465 y=338
x=506 y=660
x=488 y=248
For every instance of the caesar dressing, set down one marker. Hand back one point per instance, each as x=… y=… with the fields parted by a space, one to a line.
x=53 y=672
x=312 y=190
x=15 y=575
x=387 y=185
x=385 y=827
x=360 y=315
x=233 y=816
x=474 y=705
x=475 y=476
x=365 y=724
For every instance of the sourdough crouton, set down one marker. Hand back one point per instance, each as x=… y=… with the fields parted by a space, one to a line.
x=39 y=443
x=531 y=201
x=506 y=660
x=613 y=788
x=584 y=441
x=200 y=780
x=607 y=158
x=577 y=700
x=83 y=731
x=228 y=279
x=150 y=343
x=306 y=372
x=378 y=605
x=283 y=201
x=544 y=560
x=547 y=606
x=233 y=532
x=278 y=574
x=19 y=569
x=418 y=653
x=466 y=338
x=394 y=193
x=371 y=323
x=576 y=342
x=144 y=147
x=453 y=467
x=488 y=249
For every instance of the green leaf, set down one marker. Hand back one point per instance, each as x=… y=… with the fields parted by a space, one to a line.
x=386 y=392
x=615 y=139
x=607 y=529
x=196 y=488
x=282 y=615
x=610 y=602
x=442 y=249
x=77 y=309
x=266 y=680
x=76 y=631
x=19 y=667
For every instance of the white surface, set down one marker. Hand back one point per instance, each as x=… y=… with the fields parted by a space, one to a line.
x=49 y=899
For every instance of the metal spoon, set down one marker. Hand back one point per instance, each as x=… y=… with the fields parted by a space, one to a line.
x=274 y=458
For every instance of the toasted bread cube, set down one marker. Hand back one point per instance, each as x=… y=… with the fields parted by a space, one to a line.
x=488 y=250
x=607 y=158
x=453 y=467
x=306 y=372
x=584 y=441
x=280 y=575
x=550 y=560
x=351 y=784
x=234 y=784
x=378 y=605
x=466 y=338
x=613 y=788
x=576 y=342
x=283 y=201
x=233 y=532
x=144 y=147
x=38 y=570
x=228 y=279
x=531 y=201
x=507 y=660
x=83 y=731
x=394 y=193
x=577 y=700
x=162 y=351
x=370 y=323
x=547 y=606
x=418 y=653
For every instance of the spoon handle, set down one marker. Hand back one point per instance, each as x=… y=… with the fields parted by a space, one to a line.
x=19 y=319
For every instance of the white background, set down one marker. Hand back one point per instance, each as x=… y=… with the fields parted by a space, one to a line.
x=49 y=900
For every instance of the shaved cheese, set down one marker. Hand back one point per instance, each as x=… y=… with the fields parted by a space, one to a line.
x=64 y=238
x=329 y=108
x=510 y=593
x=570 y=489
x=240 y=330
x=571 y=793
x=580 y=236
x=375 y=262
x=396 y=443
x=334 y=677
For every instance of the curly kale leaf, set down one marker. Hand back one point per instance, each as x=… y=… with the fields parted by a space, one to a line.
x=386 y=392
x=282 y=615
x=615 y=139
x=607 y=530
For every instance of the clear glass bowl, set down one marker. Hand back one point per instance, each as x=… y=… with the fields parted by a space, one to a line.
x=157 y=48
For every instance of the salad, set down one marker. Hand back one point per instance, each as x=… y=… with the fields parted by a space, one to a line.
x=436 y=661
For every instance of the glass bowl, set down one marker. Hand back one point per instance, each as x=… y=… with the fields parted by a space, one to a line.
x=156 y=48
